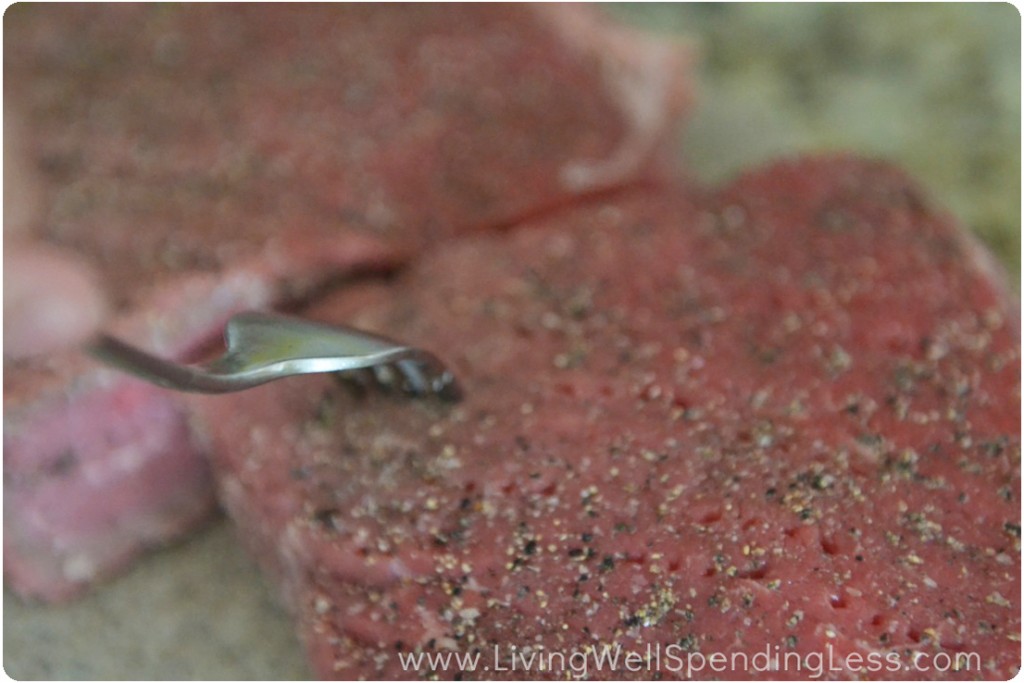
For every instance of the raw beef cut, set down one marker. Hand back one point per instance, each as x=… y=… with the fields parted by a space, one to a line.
x=206 y=159
x=784 y=415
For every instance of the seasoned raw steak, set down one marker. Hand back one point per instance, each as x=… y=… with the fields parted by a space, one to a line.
x=782 y=416
x=207 y=159
x=184 y=138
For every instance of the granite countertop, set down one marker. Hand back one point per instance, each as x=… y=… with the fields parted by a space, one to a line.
x=935 y=88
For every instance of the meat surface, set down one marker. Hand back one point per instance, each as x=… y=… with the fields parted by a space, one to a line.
x=207 y=159
x=781 y=416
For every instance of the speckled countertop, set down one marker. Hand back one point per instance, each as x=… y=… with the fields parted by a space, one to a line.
x=935 y=88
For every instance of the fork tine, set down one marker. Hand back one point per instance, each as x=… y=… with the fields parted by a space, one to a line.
x=415 y=379
x=446 y=387
x=385 y=375
x=357 y=382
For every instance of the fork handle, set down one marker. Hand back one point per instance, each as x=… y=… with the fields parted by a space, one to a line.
x=164 y=373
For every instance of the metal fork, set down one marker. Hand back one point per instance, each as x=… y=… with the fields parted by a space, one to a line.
x=262 y=347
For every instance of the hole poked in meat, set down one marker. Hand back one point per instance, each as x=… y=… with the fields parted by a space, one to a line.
x=755 y=571
x=711 y=517
x=838 y=601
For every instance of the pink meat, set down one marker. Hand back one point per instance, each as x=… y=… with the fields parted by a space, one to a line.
x=782 y=415
x=99 y=466
x=207 y=159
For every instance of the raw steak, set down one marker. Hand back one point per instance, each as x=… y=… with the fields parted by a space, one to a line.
x=785 y=415
x=207 y=159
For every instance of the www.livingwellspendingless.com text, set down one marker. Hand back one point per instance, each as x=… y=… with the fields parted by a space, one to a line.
x=680 y=662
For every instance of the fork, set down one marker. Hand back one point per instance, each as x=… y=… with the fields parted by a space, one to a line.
x=263 y=347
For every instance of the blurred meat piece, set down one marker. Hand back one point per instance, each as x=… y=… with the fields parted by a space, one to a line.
x=785 y=415
x=51 y=299
x=205 y=159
